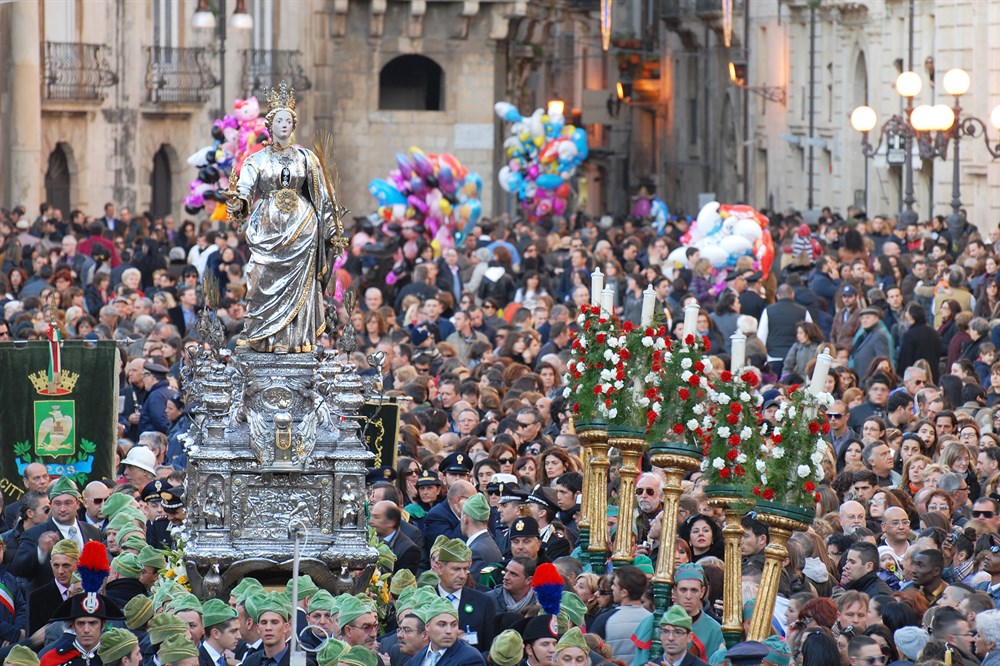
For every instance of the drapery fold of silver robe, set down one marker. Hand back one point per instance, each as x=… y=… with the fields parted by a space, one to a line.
x=286 y=232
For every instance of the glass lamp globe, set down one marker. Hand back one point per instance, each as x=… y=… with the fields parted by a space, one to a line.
x=908 y=84
x=944 y=117
x=922 y=118
x=203 y=20
x=956 y=82
x=864 y=119
x=995 y=116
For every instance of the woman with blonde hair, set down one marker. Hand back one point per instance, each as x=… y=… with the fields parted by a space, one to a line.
x=913 y=470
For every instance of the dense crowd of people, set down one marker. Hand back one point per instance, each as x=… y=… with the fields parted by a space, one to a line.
x=481 y=509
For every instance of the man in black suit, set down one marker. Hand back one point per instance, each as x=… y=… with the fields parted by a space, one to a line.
x=675 y=636
x=123 y=582
x=443 y=625
x=272 y=622
x=222 y=633
x=32 y=559
x=50 y=596
x=443 y=518
x=385 y=520
x=476 y=612
x=475 y=528
x=35 y=477
x=185 y=314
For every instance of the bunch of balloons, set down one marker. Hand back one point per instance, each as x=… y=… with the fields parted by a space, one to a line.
x=432 y=197
x=543 y=153
x=725 y=233
x=235 y=137
x=646 y=205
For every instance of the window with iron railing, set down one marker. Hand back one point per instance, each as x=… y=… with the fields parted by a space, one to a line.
x=77 y=71
x=177 y=75
x=264 y=69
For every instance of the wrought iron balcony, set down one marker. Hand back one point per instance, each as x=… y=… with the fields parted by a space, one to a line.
x=265 y=69
x=178 y=75
x=680 y=9
x=77 y=71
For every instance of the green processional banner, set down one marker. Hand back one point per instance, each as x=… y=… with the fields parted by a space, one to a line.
x=59 y=407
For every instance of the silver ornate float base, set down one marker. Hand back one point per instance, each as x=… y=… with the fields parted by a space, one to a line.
x=276 y=450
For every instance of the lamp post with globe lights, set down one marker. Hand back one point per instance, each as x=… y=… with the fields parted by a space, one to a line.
x=204 y=19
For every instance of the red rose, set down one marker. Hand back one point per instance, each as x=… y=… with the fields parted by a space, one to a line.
x=576 y=408
x=625 y=354
x=777 y=439
x=735 y=407
x=809 y=486
x=731 y=454
x=768 y=494
x=793 y=388
x=597 y=389
x=586 y=325
x=694 y=380
x=627 y=326
x=650 y=332
x=756 y=490
x=724 y=473
x=733 y=419
x=689 y=340
x=708 y=345
x=584 y=309
x=734 y=440
x=699 y=366
x=739 y=471
x=813 y=427
x=601 y=338
x=726 y=376
x=602 y=321
x=826 y=428
x=607 y=403
x=684 y=394
x=750 y=378
x=678 y=429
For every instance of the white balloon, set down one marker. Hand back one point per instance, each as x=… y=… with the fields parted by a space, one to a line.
x=535 y=123
x=504 y=177
x=679 y=257
x=708 y=218
x=567 y=150
x=716 y=254
x=749 y=229
x=199 y=158
x=736 y=246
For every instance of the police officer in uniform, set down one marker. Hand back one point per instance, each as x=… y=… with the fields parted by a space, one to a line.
x=158 y=529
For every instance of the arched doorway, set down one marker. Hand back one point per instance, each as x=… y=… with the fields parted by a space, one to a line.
x=411 y=83
x=57 y=180
x=161 y=184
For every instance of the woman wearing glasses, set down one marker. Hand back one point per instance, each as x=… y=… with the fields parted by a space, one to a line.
x=407 y=472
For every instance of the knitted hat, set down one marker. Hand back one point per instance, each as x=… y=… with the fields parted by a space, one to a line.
x=437 y=607
x=244 y=587
x=64 y=486
x=350 y=610
x=275 y=602
x=165 y=625
x=572 y=608
x=116 y=643
x=911 y=641
x=331 y=652
x=67 y=547
x=307 y=588
x=321 y=601
x=115 y=503
x=150 y=557
x=20 y=655
x=455 y=551
x=689 y=572
x=185 y=602
x=127 y=565
x=216 y=611
x=778 y=652
x=428 y=579
x=138 y=611
x=676 y=616
x=359 y=656
x=401 y=580
x=507 y=649
x=573 y=639
x=644 y=563
x=175 y=649
x=477 y=508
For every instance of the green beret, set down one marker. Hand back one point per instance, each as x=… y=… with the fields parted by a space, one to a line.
x=165 y=591
x=400 y=581
x=507 y=649
x=440 y=541
x=415 y=598
x=253 y=602
x=477 y=508
x=777 y=651
x=359 y=656
x=64 y=486
x=185 y=602
x=165 y=625
x=216 y=611
x=404 y=600
x=175 y=649
x=138 y=611
x=350 y=610
x=436 y=607
x=573 y=608
x=321 y=601
x=127 y=565
x=644 y=563
x=116 y=643
x=133 y=542
x=676 y=616
x=307 y=588
x=275 y=602
x=689 y=572
x=748 y=609
x=386 y=558
x=573 y=639
x=67 y=547
x=455 y=551
x=331 y=652
x=128 y=532
x=244 y=587
x=367 y=601
x=115 y=503
x=20 y=655
x=132 y=513
x=150 y=557
x=119 y=523
x=428 y=579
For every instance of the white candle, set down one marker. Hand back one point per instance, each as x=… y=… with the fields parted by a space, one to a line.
x=607 y=301
x=648 y=303
x=820 y=371
x=739 y=355
x=691 y=311
x=596 y=285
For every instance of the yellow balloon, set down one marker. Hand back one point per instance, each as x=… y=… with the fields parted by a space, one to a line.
x=445 y=206
x=539 y=140
x=414 y=150
x=524 y=136
x=545 y=119
x=436 y=246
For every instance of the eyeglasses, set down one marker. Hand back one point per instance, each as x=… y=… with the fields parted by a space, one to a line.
x=506 y=461
x=982 y=514
x=899 y=523
x=412 y=472
x=369 y=628
x=488 y=306
x=521 y=424
x=834 y=415
x=674 y=633
x=645 y=491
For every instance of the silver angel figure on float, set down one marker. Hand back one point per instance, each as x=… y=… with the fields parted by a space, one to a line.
x=288 y=212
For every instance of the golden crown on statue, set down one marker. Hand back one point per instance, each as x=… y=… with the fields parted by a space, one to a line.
x=281 y=98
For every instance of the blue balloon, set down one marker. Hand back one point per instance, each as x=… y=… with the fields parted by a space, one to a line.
x=579 y=138
x=385 y=193
x=513 y=115
x=549 y=181
x=475 y=211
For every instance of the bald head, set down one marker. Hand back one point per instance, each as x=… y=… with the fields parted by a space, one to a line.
x=852 y=514
x=458 y=493
x=36 y=477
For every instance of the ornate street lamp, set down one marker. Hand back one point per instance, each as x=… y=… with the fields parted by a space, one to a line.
x=204 y=19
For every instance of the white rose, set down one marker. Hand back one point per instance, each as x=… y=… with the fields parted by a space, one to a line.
x=791 y=412
x=778 y=453
x=580 y=367
x=566 y=392
x=619 y=385
x=746 y=433
x=803 y=471
x=724 y=399
x=760 y=465
x=647 y=341
x=581 y=320
x=583 y=343
x=744 y=396
x=741 y=458
x=816 y=458
x=644 y=401
x=612 y=341
x=698 y=409
x=692 y=424
x=686 y=363
x=763 y=479
x=657 y=407
x=613 y=412
x=608 y=354
x=686 y=375
x=724 y=432
x=718 y=463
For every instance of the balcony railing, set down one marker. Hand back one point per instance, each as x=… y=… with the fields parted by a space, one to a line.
x=680 y=9
x=178 y=75
x=76 y=71
x=265 y=69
